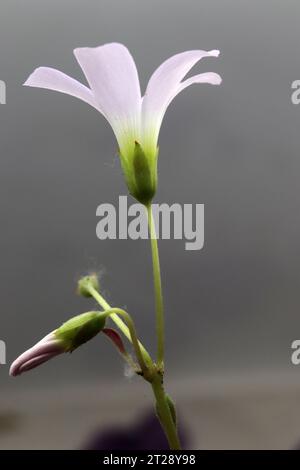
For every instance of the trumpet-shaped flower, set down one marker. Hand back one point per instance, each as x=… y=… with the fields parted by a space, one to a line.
x=114 y=90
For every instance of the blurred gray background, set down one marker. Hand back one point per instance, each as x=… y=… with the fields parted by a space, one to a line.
x=232 y=309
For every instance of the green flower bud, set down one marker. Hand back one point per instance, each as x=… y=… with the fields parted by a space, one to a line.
x=172 y=408
x=80 y=329
x=85 y=282
x=140 y=172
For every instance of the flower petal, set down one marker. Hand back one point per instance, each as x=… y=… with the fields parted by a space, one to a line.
x=48 y=345
x=52 y=79
x=35 y=362
x=165 y=84
x=112 y=75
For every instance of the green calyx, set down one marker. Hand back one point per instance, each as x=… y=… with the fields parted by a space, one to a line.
x=140 y=172
x=80 y=329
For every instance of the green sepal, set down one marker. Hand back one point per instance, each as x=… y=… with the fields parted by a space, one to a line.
x=140 y=172
x=80 y=329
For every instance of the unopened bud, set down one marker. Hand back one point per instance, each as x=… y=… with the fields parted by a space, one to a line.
x=172 y=408
x=69 y=336
x=80 y=329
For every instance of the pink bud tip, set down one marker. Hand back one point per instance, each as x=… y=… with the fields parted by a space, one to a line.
x=41 y=352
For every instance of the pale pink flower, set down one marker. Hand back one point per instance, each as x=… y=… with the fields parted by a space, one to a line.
x=114 y=90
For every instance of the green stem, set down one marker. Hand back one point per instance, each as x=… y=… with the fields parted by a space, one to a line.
x=120 y=324
x=159 y=305
x=164 y=413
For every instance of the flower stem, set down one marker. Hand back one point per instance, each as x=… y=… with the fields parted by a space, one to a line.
x=114 y=310
x=159 y=304
x=164 y=413
x=121 y=325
